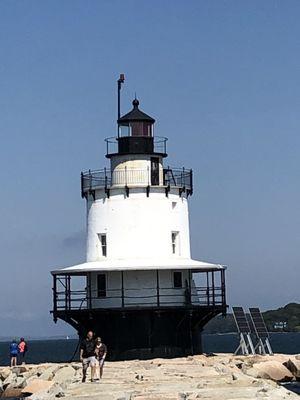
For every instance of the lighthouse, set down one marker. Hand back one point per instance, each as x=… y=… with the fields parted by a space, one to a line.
x=139 y=288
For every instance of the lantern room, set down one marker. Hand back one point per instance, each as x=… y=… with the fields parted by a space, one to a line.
x=135 y=135
x=135 y=123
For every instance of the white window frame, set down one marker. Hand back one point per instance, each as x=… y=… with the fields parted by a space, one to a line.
x=175 y=243
x=103 y=246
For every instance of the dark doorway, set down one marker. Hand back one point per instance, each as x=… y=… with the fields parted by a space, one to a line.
x=101 y=285
x=177 y=279
x=154 y=171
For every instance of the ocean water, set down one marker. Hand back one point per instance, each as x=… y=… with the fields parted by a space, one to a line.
x=63 y=350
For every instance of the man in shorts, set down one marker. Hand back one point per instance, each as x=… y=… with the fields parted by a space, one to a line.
x=87 y=355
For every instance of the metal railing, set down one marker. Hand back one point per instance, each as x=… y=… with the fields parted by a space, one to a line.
x=128 y=176
x=105 y=178
x=158 y=144
x=137 y=297
x=182 y=178
x=86 y=296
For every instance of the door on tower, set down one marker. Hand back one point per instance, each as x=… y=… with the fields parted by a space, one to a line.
x=154 y=171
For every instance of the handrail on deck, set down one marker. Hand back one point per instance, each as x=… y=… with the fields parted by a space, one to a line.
x=105 y=178
x=199 y=296
x=158 y=144
x=211 y=293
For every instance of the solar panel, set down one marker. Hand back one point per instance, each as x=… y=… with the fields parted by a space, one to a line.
x=250 y=323
x=241 y=320
x=260 y=328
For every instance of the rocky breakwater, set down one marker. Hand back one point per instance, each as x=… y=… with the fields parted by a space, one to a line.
x=38 y=381
x=222 y=376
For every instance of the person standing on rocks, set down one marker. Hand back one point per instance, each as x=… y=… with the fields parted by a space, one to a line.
x=101 y=351
x=13 y=350
x=22 y=350
x=87 y=356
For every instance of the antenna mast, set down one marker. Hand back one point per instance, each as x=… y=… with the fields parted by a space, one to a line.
x=120 y=81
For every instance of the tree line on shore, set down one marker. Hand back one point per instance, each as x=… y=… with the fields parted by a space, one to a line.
x=283 y=319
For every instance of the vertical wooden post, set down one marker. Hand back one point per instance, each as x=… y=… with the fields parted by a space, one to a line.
x=207 y=288
x=122 y=282
x=223 y=287
x=54 y=294
x=89 y=291
x=69 y=292
x=66 y=292
x=157 y=288
x=190 y=286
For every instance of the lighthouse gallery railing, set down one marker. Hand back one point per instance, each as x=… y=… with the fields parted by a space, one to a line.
x=105 y=178
x=154 y=144
x=210 y=295
x=78 y=299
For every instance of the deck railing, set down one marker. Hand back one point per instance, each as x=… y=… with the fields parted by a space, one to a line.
x=64 y=298
x=105 y=178
x=80 y=300
x=155 y=145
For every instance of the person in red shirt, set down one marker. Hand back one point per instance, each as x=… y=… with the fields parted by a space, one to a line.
x=22 y=350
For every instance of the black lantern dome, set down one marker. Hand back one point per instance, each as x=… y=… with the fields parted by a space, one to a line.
x=135 y=135
x=136 y=122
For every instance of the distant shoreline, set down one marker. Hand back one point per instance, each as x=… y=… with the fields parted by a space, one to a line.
x=32 y=339
x=47 y=338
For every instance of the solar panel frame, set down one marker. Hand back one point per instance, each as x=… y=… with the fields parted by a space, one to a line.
x=241 y=320
x=250 y=322
x=258 y=323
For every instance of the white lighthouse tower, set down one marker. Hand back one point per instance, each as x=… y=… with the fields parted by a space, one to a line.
x=141 y=290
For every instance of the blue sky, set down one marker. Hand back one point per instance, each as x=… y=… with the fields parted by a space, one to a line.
x=222 y=80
